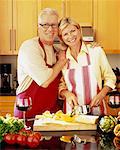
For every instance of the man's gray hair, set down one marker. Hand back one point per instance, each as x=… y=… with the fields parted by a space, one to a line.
x=47 y=11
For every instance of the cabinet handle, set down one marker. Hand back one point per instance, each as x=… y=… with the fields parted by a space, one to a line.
x=14 y=39
x=10 y=39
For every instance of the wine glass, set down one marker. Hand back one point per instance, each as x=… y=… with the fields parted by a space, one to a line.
x=24 y=104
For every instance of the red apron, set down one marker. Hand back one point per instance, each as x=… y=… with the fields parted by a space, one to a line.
x=42 y=98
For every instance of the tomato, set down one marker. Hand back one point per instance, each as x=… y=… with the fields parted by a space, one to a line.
x=25 y=132
x=37 y=134
x=33 y=140
x=22 y=139
x=10 y=138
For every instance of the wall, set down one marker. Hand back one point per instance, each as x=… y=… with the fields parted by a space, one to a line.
x=114 y=60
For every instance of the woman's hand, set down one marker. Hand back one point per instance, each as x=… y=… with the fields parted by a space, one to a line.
x=100 y=96
x=96 y=100
x=70 y=98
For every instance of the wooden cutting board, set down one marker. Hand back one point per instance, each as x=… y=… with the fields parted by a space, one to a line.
x=40 y=125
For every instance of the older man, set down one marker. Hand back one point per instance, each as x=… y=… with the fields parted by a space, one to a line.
x=38 y=69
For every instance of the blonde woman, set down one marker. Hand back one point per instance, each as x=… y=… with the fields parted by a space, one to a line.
x=83 y=73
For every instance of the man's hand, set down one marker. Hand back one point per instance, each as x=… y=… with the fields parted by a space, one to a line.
x=61 y=55
x=94 y=44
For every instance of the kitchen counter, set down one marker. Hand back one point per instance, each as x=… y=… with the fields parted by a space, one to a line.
x=12 y=93
x=89 y=140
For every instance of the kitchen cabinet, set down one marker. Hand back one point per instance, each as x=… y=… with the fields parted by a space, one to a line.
x=81 y=11
x=5 y=26
x=59 y=5
x=107 y=24
x=18 y=22
x=7 y=105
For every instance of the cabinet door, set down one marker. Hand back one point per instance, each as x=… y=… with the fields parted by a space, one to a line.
x=59 y=5
x=5 y=27
x=7 y=105
x=24 y=21
x=107 y=24
x=80 y=11
x=18 y=23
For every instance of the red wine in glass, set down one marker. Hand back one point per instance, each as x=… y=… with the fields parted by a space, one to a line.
x=24 y=104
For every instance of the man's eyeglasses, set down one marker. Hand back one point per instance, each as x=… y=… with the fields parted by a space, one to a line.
x=46 y=26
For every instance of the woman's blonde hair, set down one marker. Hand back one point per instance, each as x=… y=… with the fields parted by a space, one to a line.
x=64 y=22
